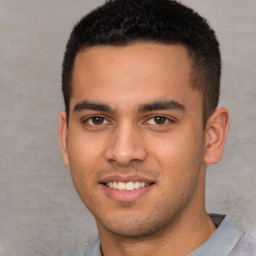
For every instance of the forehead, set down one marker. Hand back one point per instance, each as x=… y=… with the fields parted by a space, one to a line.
x=132 y=74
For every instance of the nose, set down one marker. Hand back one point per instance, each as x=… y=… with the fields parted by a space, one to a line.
x=125 y=146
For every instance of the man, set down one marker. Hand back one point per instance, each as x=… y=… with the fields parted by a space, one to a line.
x=141 y=81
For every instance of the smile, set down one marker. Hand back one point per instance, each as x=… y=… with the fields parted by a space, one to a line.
x=126 y=188
x=126 y=185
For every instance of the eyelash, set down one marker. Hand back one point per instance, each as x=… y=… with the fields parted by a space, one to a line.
x=86 y=120
x=167 y=120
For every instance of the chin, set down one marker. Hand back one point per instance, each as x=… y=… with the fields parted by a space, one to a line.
x=135 y=227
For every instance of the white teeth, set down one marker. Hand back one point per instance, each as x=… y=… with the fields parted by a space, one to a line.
x=121 y=186
x=114 y=185
x=137 y=184
x=126 y=185
x=130 y=186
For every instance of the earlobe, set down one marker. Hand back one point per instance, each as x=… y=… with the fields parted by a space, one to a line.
x=216 y=132
x=63 y=136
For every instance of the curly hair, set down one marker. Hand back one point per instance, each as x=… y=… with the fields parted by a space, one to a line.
x=124 y=22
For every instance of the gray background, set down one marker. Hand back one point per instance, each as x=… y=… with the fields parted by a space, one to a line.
x=40 y=212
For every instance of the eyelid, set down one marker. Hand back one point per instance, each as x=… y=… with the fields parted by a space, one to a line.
x=107 y=121
x=168 y=119
x=85 y=119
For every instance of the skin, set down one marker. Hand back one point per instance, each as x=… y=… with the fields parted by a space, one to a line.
x=117 y=93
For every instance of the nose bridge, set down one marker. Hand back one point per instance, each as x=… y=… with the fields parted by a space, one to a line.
x=126 y=144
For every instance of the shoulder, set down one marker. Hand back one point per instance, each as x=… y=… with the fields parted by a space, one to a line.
x=226 y=240
x=246 y=246
x=87 y=249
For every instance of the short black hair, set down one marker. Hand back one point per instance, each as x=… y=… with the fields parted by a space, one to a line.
x=124 y=22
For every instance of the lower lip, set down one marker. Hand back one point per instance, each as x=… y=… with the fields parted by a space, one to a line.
x=126 y=195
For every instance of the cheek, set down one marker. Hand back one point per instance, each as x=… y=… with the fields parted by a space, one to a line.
x=180 y=161
x=83 y=154
x=83 y=148
x=81 y=168
x=180 y=154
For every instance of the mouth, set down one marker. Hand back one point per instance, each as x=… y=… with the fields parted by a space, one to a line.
x=129 y=186
x=126 y=188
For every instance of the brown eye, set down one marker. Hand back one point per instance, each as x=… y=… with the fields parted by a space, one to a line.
x=97 y=120
x=160 y=119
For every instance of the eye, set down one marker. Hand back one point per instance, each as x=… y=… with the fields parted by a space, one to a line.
x=96 y=120
x=159 y=120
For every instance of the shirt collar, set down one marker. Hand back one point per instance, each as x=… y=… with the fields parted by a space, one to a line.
x=93 y=248
x=222 y=241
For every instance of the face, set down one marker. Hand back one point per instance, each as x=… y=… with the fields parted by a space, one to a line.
x=135 y=142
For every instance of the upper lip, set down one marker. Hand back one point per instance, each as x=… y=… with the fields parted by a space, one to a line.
x=120 y=178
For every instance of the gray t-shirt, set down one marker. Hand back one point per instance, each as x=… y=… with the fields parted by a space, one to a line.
x=227 y=240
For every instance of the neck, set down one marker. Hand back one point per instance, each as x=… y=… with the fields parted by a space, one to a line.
x=181 y=240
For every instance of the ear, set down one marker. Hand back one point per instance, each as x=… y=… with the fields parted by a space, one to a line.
x=216 y=132
x=63 y=131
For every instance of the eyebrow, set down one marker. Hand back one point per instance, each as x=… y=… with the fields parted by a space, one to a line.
x=162 y=105
x=86 y=105
x=155 y=105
